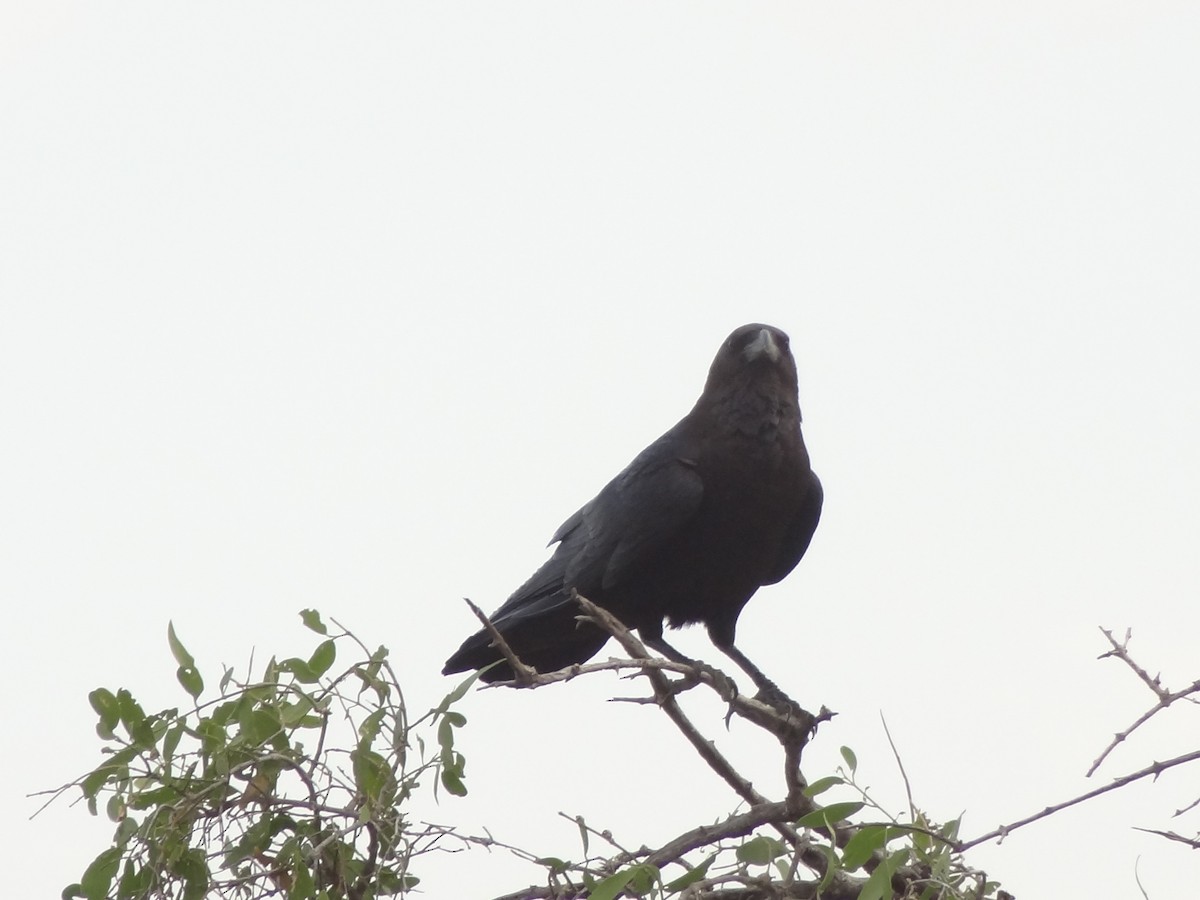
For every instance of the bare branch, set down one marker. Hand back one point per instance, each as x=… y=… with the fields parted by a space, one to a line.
x=1194 y=843
x=1155 y=769
x=1120 y=650
x=522 y=673
x=912 y=807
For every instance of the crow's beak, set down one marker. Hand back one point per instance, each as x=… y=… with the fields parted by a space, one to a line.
x=763 y=345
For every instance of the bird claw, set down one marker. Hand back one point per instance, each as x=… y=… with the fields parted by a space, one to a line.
x=792 y=713
x=725 y=686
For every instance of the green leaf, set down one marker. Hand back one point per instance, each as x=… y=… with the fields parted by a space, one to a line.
x=850 y=758
x=390 y=882
x=299 y=669
x=368 y=675
x=608 y=888
x=453 y=783
x=166 y=794
x=100 y=874
x=759 y=850
x=257 y=726
x=821 y=785
x=126 y=829
x=876 y=886
x=553 y=864
x=922 y=842
x=193 y=868
x=312 y=621
x=829 y=815
x=73 y=891
x=879 y=885
x=115 y=808
x=134 y=720
x=450 y=721
x=212 y=735
x=369 y=729
x=135 y=882
x=172 y=737
x=180 y=653
x=189 y=677
x=950 y=830
x=115 y=768
x=583 y=834
x=833 y=865
x=96 y=779
x=451 y=772
x=322 y=658
x=645 y=877
x=105 y=704
x=461 y=691
x=226 y=712
x=291 y=714
x=691 y=876
x=302 y=887
x=371 y=772
x=860 y=847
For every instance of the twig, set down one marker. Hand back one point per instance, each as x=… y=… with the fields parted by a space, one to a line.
x=1120 y=650
x=760 y=713
x=606 y=836
x=1154 y=769
x=912 y=807
x=1194 y=843
x=1138 y=878
x=522 y=673
x=666 y=699
x=1190 y=806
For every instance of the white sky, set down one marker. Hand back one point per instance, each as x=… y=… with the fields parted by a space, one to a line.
x=350 y=306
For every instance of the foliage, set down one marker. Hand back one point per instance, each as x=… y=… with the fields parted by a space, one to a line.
x=292 y=783
x=297 y=784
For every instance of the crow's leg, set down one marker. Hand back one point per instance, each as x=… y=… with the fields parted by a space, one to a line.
x=768 y=691
x=764 y=684
x=724 y=685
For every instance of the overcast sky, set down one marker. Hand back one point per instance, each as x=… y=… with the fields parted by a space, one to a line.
x=350 y=306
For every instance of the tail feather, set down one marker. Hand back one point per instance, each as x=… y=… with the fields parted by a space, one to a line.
x=547 y=640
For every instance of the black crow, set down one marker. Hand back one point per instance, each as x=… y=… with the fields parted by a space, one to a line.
x=720 y=505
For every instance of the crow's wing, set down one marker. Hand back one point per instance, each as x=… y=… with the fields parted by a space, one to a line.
x=622 y=527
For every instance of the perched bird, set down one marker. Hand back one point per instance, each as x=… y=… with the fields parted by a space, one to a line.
x=720 y=505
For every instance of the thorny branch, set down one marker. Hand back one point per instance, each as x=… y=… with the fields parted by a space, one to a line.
x=1152 y=770
x=1166 y=697
x=793 y=736
x=522 y=674
x=792 y=726
x=1120 y=650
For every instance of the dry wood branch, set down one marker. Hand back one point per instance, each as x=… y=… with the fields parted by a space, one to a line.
x=522 y=673
x=1120 y=650
x=1155 y=769
x=1194 y=843
x=665 y=695
x=784 y=726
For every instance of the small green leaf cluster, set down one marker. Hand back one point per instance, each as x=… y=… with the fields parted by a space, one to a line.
x=869 y=859
x=290 y=784
x=925 y=848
